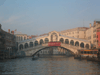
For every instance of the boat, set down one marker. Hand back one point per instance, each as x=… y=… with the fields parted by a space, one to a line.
x=35 y=58
x=89 y=54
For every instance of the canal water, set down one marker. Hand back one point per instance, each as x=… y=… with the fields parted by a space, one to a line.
x=50 y=65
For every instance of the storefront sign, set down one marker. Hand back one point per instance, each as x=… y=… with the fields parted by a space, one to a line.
x=54 y=44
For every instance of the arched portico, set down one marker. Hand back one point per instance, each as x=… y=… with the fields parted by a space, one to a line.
x=82 y=45
x=46 y=40
x=87 y=46
x=41 y=41
x=61 y=40
x=21 y=47
x=66 y=41
x=31 y=44
x=26 y=45
x=76 y=43
x=72 y=42
x=36 y=43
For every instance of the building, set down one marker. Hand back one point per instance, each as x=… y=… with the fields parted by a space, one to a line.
x=2 y=45
x=19 y=36
x=8 y=43
x=98 y=37
x=91 y=34
x=79 y=32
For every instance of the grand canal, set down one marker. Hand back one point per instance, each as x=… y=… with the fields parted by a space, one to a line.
x=51 y=65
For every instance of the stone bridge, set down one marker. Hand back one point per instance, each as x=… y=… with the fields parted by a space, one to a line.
x=31 y=46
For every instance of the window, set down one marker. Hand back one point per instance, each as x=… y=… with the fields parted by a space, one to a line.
x=97 y=36
x=97 y=41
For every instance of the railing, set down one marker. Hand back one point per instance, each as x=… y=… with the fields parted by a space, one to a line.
x=46 y=45
x=32 y=48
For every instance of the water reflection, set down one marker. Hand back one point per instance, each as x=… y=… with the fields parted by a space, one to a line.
x=53 y=65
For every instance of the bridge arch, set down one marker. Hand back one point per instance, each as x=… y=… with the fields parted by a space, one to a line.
x=24 y=38
x=61 y=40
x=87 y=46
x=72 y=42
x=31 y=44
x=26 y=45
x=51 y=51
x=46 y=40
x=82 y=45
x=66 y=41
x=76 y=43
x=21 y=46
x=41 y=41
x=54 y=37
x=36 y=43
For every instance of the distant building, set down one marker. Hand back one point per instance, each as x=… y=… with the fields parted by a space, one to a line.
x=79 y=32
x=43 y=34
x=34 y=36
x=20 y=36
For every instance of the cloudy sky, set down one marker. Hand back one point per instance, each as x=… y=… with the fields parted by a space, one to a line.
x=35 y=17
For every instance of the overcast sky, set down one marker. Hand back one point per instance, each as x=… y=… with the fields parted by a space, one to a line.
x=35 y=17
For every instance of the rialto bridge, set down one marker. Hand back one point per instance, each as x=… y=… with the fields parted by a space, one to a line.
x=59 y=42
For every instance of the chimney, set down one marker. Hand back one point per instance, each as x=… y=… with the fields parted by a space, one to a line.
x=90 y=25
x=12 y=32
x=8 y=30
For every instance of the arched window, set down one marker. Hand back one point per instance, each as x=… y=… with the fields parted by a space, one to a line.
x=31 y=44
x=41 y=41
x=72 y=42
x=66 y=41
x=76 y=43
x=82 y=45
x=62 y=40
x=26 y=45
x=20 y=46
x=87 y=46
x=54 y=37
x=46 y=40
x=24 y=38
x=36 y=43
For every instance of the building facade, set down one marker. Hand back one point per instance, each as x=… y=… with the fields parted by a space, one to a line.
x=8 y=42
x=79 y=32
